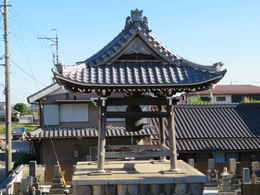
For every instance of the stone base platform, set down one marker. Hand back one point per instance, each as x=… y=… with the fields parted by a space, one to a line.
x=137 y=178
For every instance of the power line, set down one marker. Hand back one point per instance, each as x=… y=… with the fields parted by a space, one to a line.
x=31 y=76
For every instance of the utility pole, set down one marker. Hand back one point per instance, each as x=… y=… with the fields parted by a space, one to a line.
x=55 y=42
x=8 y=114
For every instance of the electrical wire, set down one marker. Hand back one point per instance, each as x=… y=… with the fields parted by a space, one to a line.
x=27 y=73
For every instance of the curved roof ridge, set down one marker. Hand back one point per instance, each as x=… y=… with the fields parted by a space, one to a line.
x=136 y=24
x=163 y=45
x=216 y=67
x=110 y=44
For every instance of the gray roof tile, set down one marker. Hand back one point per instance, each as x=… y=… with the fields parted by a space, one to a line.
x=138 y=74
x=70 y=132
x=216 y=127
x=100 y=70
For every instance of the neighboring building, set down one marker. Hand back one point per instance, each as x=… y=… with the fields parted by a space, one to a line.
x=229 y=94
x=28 y=118
x=76 y=122
x=219 y=131
x=69 y=127
x=15 y=114
x=33 y=109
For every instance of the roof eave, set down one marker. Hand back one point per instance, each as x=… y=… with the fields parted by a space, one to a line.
x=59 y=78
x=43 y=92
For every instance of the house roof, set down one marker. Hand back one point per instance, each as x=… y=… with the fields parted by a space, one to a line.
x=87 y=132
x=201 y=127
x=226 y=144
x=43 y=92
x=119 y=65
x=131 y=75
x=231 y=90
x=217 y=127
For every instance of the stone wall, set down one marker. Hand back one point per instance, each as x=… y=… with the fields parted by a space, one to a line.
x=140 y=189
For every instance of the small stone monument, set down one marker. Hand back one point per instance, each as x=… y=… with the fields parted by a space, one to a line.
x=212 y=173
x=32 y=168
x=232 y=166
x=255 y=166
x=246 y=179
x=191 y=162
x=211 y=164
x=225 y=181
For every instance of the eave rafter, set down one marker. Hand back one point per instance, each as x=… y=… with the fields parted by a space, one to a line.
x=158 y=90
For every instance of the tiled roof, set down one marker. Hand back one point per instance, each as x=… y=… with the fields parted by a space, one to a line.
x=217 y=127
x=224 y=127
x=70 y=132
x=231 y=90
x=132 y=29
x=139 y=74
x=103 y=70
x=184 y=145
x=138 y=27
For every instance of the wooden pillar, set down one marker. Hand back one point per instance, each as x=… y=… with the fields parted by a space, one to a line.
x=41 y=115
x=162 y=133
x=172 y=135
x=101 y=135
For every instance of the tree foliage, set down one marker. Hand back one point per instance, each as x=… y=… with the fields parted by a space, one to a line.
x=250 y=100
x=197 y=100
x=21 y=107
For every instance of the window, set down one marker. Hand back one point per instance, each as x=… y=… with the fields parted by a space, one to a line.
x=73 y=112
x=206 y=99
x=221 y=99
x=51 y=114
x=116 y=109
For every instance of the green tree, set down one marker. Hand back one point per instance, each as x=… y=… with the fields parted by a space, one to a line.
x=21 y=107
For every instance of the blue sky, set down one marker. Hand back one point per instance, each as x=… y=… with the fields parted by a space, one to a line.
x=202 y=31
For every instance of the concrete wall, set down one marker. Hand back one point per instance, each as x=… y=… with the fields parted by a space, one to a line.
x=69 y=151
x=143 y=189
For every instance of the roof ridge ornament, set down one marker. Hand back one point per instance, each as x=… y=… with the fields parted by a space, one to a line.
x=137 y=20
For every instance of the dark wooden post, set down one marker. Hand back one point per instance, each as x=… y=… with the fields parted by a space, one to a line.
x=101 y=135
x=172 y=134
x=162 y=133
x=41 y=114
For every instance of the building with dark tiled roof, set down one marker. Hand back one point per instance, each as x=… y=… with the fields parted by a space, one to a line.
x=104 y=96
x=219 y=131
x=230 y=93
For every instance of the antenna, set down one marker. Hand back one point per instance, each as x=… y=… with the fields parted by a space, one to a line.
x=54 y=42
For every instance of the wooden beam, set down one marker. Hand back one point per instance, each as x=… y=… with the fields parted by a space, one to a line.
x=133 y=147
x=137 y=100
x=73 y=101
x=136 y=114
x=141 y=155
